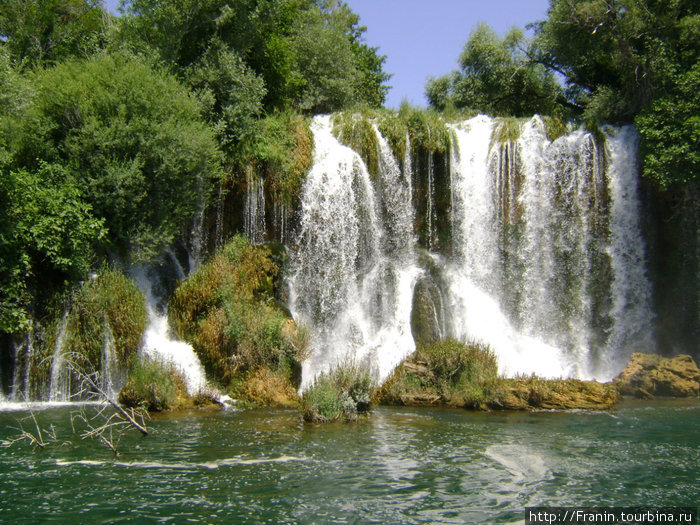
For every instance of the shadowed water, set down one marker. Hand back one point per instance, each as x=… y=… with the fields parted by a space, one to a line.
x=398 y=466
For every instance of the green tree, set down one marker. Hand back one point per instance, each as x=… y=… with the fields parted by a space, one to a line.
x=496 y=77
x=271 y=37
x=632 y=60
x=234 y=94
x=131 y=137
x=45 y=31
x=618 y=55
x=47 y=235
x=670 y=132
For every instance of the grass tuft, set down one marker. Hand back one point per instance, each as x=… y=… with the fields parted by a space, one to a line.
x=341 y=394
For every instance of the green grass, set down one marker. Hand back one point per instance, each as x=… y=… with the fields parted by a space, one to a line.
x=154 y=385
x=340 y=394
x=227 y=312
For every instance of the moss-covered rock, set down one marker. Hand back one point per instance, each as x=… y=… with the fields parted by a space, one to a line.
x=649 y=375
x=534 y=393
x=227 y=312
x=450 y=373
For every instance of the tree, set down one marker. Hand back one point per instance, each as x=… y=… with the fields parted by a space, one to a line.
x=496 y=77
x=632 y=60
x=47 y=236
x=670 y=132
x=46 y=31
x=131 y=137
x=299 y=48
x=615 y=54
x=235 y=94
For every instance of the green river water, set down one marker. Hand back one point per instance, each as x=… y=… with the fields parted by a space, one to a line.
x=400 y=465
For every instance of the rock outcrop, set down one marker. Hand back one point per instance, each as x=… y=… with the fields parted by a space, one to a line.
x=650 y=375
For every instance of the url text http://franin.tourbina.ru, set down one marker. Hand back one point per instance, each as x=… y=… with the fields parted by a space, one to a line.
x=617 y=515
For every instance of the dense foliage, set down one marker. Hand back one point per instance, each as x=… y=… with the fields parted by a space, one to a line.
x=308 y=54
x=620 y=61
x=46 y=238
x=226 y=310
x=497 y=78
x=116 y=130
x=46 y=31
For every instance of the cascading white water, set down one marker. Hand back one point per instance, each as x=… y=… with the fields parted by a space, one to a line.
x=219 y=224
x=158 y=342
x=532 y=247
x=197 y=239
x=353 y=271
x=23 y=357
x=547 y=265
x=631 y=290
x=280 y=220
x=474 y=277
x=109 y=382
x=59 y=389
x=254 y=220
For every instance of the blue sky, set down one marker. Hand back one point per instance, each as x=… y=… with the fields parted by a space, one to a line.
x=423 y=38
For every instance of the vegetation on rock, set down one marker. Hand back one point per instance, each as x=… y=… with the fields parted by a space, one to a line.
x=227 y=312
x=342 y=393
x=154 y=385
x=109 y=303
x=466 y=375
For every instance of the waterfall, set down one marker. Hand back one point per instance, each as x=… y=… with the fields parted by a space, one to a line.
x=21 y=377
x=475 y=276
x=547 y=265
x=631 y=290
x=197 y=243
x=109 y=383
x=280 y=220
x=159 y=343
x=549 y=259
x=254 y=220
x=353 y=271
x=59 y=389
x=219 y=225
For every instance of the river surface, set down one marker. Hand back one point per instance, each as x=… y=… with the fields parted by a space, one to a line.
x=400 y=465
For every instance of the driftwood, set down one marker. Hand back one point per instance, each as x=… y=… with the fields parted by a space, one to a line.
x=105 y=425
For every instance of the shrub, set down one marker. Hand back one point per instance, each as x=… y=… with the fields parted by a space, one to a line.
x=342 y=393
x=153 y=384
x=110 y=301
x=227 y=312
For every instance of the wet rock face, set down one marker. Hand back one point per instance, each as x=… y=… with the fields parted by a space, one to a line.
x=426 y=312
x=649 y=375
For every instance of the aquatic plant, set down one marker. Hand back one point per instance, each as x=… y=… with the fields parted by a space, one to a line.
x=153 y=384
x=341 y=393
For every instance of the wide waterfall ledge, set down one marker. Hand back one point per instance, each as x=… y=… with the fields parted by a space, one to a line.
x=546 y=263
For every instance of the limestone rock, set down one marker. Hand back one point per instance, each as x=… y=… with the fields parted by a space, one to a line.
x=649 y=375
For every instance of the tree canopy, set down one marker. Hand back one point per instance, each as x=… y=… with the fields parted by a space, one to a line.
x=620 y=61
x=632 y=60
x=496 y=77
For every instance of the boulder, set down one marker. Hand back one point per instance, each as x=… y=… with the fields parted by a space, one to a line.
x=649 y=375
